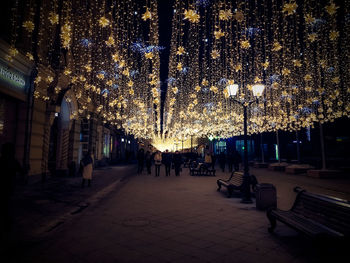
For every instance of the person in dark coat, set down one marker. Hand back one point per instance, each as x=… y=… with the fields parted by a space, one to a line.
x=237 y=159
x=166 y=158
x=213 y=161
x=10 y=167
x=140 y=160
x=229 y=160
x=177 y=161
x=222 y=161
x=148 y=158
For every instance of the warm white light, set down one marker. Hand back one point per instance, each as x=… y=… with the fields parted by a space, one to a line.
x=122 y=139
x=258 y=89
x=232 y=89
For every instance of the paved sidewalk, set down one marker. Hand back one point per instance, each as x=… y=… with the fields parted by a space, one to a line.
x=181 y=219
x=40 y=207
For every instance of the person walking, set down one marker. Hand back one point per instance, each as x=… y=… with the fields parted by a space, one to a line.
x=157 y=162
x=222 y=161
x=207 y=159
x=148 y=159
x=87 y=166
x=167 y=162
x=237 y=159
x=177 y=161
x=140 y=160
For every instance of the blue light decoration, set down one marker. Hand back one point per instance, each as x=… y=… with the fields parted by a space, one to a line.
x=86 y=42
x=274 y=78
x=116 y=76
x=330 y=70
x=134 y=73
x=140 y=47
x=103 y=72
x=115 y=86
x=251 y=31
x=105 y=91
x=205 y=90
x=222 y=81
x=171 y=81
x=203 y=3
x=184 y=70
x=305 y=110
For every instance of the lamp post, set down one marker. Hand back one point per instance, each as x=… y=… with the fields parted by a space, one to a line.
x=257 y=92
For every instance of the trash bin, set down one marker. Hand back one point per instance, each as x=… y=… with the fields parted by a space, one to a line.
x=266 y=196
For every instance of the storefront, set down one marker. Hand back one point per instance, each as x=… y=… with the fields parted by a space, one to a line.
x=14 y=108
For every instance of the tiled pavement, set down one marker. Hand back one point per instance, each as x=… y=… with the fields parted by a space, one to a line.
x=181 y=219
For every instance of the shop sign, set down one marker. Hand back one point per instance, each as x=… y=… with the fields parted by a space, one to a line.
x=11 y=77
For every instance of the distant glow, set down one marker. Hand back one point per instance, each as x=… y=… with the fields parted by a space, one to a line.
x=122 y=139
x=171 y=144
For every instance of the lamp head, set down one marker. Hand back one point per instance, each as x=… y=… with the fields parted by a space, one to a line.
x=258 y=89
x=232 y=89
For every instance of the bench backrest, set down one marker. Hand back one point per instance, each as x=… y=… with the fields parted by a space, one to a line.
x=236 y=178
x=331 y=212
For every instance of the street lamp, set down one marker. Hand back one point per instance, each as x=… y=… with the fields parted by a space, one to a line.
x=257 y=92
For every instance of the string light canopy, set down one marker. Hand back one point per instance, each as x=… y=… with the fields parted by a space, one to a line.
x=292 y=54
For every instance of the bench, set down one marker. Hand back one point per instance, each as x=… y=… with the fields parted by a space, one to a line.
x=317 y=216
x=235 y=182
x=201 y=170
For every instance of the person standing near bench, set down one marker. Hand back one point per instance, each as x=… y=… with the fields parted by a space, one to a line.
x=177 y=160
x=140 y=160
x=157 y=162
x=237 y=159
x=87 y=165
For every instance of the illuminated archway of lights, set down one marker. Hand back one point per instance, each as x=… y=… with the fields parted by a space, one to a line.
x=298 y=49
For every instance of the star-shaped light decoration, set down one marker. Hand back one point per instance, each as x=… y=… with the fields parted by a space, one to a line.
x=191 y=16
x=238 y=67
x=193 y=96
x=309 y=19
x=239 y=16
x=214 y=89
x=257 y=80
x=308 y=77
x=29 y=26
x=155 y=92
x=226 y=94
x=179 y=66
x=205 y=82
x=131 y=92
x=312 y=37
x=53 y=18
x=103 y=22
x=100 y=76
x=297 y=63
x=266 y=64
x=126 y=72
x=308 y=88
x=49 y=79
x=333 y=35
x=175 y=90
x=29 y=56
x=276 y=46
x=67 y=72
x=215 y=54
x=180 y=50
x=109 y=82
x=331 y=8
x=110 y=42
x=156 y=101
x=88 y=68
x=336 y=80
x=285 y=72
x=147 y=15
x=230 y=82
x=115 y=57
x=290 y=8
x=130 y=83
x=82 y=78
x=153 y=81
x=122 y=63
x=149 y=55
x=323 y=63
x=197 y=88
x=218 y=34
x=225 y=15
